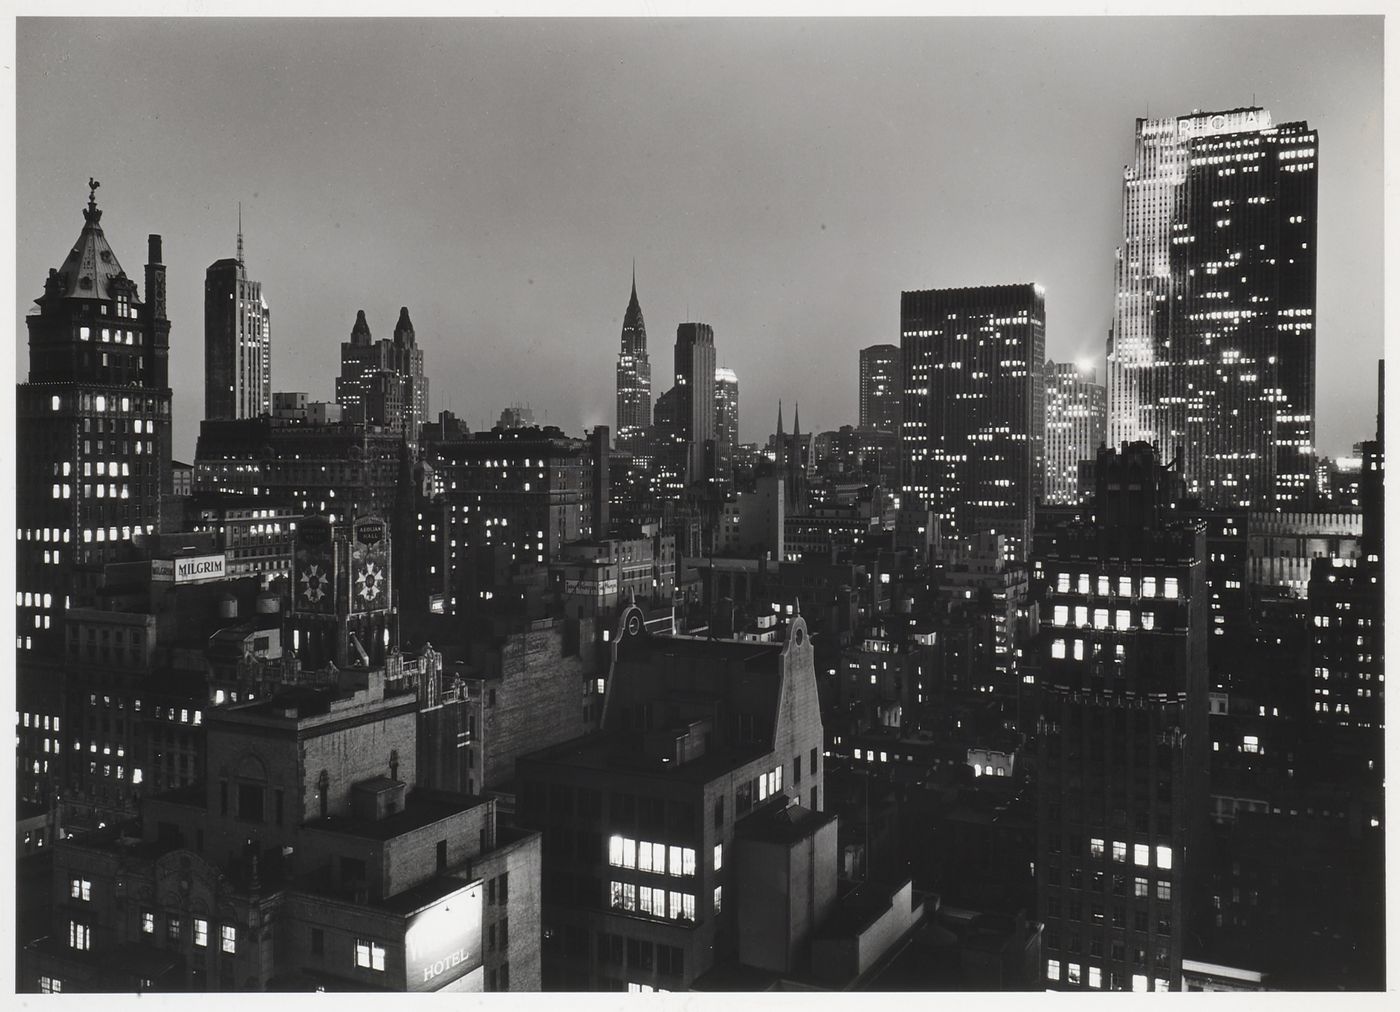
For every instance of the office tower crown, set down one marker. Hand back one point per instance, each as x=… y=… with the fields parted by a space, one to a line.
x=359 y=333
x=403 y=330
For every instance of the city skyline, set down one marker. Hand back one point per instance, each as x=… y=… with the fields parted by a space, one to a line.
x=782 y=228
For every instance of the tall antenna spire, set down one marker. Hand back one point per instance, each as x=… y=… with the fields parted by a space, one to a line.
x=240 y=233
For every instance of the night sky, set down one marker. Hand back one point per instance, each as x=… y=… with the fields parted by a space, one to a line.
x=782 y=181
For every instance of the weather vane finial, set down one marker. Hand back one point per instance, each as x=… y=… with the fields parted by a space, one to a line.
x=92 y=190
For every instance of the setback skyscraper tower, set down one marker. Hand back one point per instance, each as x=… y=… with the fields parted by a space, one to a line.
x=633 y=377
x=971 y=441
x=237 y=341
x=1213 y=344
x=382 y=382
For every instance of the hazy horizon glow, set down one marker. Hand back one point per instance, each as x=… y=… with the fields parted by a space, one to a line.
x=781 y=180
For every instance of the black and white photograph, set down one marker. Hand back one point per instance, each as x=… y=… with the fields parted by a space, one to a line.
x=407 y=600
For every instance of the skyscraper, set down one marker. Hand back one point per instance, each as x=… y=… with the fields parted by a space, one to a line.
x=973 y=430
x=237 y=341
x=1213 y=342
x=880 y=392
x=1121 y=734
x=633 y=377
x=382 y=382
x=726 y=423
x=1074 y=426
x=93 y=430
x=695 y=393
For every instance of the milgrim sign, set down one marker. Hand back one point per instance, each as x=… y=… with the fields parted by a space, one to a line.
x=443 y=942
x=193 y=569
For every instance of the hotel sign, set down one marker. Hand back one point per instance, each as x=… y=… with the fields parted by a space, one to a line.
x=443 y=942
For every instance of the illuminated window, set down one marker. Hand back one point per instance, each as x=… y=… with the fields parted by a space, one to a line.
x=1120 y=851
x=1103 y=585
x=719 y=896
x=1081 y=615
x=1149 y=620
x=1061 y=614
x=1083 y=586
x=1100 y=618
x=1164 y=889
x=1052 y=969
x=1072 y=977
x=80 y=889
x=1125 y=586
x=719 y=856
x=148 y=922
x=1121 y=620
x=1096 y=848
x=1140 y=855
x=228 y=938
x=1062 y=583
x=1140 y=887
x=79 y=936
x=1057 y=649
x=201 y=932
x=369 y=955
x=1164 y=858
x=1169 y=588
x=1149 y=586
x=1095 y=977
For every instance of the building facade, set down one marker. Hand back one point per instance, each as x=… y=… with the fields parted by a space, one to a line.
x=641 y=819
x=93 y=428
x=237 y=341
x=1213 y=344
x=973 y=431
x=1121 y=732
x=881 y=389
x=1075 y=426
x=633 y=378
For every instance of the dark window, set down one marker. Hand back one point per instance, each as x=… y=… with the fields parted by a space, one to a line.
x=797 y=769
x=719 y=811
x=505 y=887
x=442 y=855
x=250 y=802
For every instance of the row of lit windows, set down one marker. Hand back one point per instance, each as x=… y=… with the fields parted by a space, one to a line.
x=1122 y=618
x=1095 y=976
x=630 y=897
x=624 y=852
x=1125 y=584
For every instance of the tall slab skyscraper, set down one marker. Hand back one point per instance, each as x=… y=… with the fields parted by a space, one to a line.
x=633 y=377
x=973 y=432
x=1074 y=426
x=237 y=341
x=695 y=394
x=1213 y=345
x=880 y=397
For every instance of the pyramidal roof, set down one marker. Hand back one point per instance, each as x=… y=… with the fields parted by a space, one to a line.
x=403 y=330
x=91 y=267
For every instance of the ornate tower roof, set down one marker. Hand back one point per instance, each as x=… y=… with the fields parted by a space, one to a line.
x=359 y=334
x=632 y=319
x=403 y=330
x=90 y=270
